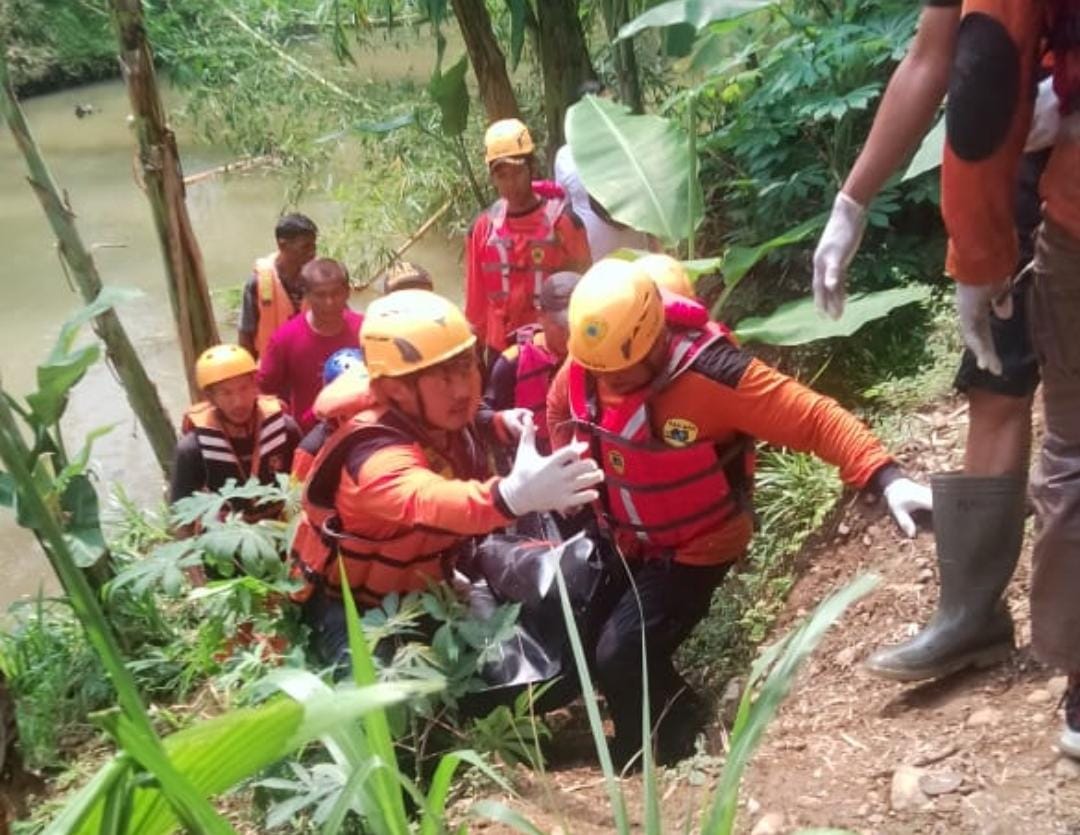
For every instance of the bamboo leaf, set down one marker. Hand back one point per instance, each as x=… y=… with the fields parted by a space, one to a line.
x=638 y=167
x=451 y=94
x=798 y=322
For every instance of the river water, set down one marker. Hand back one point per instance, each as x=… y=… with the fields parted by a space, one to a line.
x=233 y=217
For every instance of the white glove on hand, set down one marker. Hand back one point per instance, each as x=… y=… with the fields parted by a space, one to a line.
x=905 y=497
x=515 y=420
x=837 y=246
x=560 y=481
x=1045 y=118
x=973 y=305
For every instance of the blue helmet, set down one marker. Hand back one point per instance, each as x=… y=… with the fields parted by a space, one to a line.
x=339 y=361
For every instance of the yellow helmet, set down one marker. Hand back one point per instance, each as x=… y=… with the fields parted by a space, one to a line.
x=668 y=273
x=616 y=316
x=222 y=362
x=506 y=139
x=411 y=330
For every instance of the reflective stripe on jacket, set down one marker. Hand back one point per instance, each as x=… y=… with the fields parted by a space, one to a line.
x=658 y=494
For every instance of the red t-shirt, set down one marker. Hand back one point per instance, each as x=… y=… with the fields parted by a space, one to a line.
x=292 y=365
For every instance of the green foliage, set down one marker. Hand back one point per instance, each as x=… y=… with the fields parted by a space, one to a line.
x=798 y=322
x=53 y=43
x=55 y=678
x=638 y=167
x=693 y=13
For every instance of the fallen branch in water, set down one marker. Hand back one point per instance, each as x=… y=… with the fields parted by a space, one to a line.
x=228 y=168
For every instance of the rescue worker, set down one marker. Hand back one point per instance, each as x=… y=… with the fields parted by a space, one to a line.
x=523 y=372
x=990 y=107
x=405 y=275
x=340 y=362
x=292 y=364
x=670 y=415
x=235 y=433
x=526 y=235
x=972 y=625
x=275 y=291
x=401 y=489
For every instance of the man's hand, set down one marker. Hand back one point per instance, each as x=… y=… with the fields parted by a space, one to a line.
x=905 y=497
x=837 y=246
x=560 y=481
x=514 y=421
x=973 y=305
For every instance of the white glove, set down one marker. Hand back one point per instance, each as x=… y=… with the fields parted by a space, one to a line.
x=514 y=421
x=837 y=246
x=1045 y=118
x=973 y=305
x=560 y=481
x=905 y=497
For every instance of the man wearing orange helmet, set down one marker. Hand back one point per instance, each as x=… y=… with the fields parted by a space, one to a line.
x=400 y=489
x=234 y=433
x=526 y=235
x=670 y=415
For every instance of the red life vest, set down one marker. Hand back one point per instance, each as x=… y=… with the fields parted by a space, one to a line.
x=536 y=365
x=515 y=266
x=658 y=496
x=402 y=563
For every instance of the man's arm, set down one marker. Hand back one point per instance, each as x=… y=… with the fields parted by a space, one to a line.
x=188 y=474
x=475 y=297
x=249 y=318
x=395 y=486
x=575 y=241
x=499 y=394
x=911 y=99
x=560 y=430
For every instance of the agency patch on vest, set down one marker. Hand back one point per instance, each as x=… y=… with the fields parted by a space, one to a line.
x=679 y=432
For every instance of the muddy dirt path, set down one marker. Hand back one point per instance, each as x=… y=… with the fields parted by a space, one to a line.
x=970 y=754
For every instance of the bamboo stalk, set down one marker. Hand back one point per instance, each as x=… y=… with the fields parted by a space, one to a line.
x=141 y=392
x=228 y=168
x=159 y=158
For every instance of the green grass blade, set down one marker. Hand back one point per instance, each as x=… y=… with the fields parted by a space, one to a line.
x=797 y=648
x=615 y=795
x=390 y=801
x=84 y=811
x=442 y=780
x=500 y=813
x=347 y=800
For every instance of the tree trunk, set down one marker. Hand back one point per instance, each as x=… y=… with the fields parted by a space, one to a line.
x=564 y=57
x=141 y=392
x=487 y=59
x=616 y=13
x=164 y=183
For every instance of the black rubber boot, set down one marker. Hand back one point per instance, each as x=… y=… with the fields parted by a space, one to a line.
x=979 y=528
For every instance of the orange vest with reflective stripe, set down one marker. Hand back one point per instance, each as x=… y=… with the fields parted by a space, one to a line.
x=273 y=302
x=219 y=456
x=515 y=266
x=403 y=563
x=658 y=495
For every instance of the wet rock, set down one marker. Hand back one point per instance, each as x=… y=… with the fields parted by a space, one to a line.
x=984 y=718
x=905 y=792
x=941 y=782
x=771 y=823
x=728 y=706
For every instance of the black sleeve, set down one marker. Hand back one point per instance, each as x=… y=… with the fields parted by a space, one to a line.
x=249 y=309
x=189 y=474
x=499 y=394
x=293 y=437
x=723 y=362
x=942 y=3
